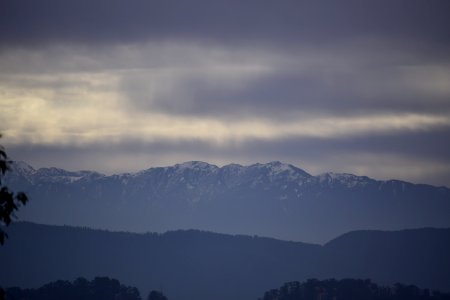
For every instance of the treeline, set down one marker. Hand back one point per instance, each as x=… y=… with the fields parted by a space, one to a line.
x=101 y=288
x=350 y=289
x=104 y=288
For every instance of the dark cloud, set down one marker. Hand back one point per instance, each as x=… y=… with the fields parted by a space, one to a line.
x=284 y=93
x=357 y=49
x=428 y=144
x=47 y=21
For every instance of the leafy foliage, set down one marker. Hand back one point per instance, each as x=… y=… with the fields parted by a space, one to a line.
x=9 y=201
x=101 y=288
x=155 y=295
x=350 y=289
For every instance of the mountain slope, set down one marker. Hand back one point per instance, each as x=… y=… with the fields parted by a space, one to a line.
x=195 y=265
x=273 y=199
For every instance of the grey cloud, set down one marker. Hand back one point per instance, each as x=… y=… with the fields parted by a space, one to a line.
x=285 y=93
x=364 y=75
x=340 y=84
x=47 y=21
x=428 y=145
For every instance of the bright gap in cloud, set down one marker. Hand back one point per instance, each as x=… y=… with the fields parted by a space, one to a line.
x=92 y=119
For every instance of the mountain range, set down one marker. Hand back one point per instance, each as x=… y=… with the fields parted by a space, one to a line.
x=273 y=199
x=201 y=265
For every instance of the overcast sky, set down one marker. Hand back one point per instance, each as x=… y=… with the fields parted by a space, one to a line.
x=347 y=86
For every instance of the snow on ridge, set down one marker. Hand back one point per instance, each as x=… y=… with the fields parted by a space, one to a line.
x=293 y=173
x=276 y=170
x=22 y=167
x=235 y=169
x=274 y=166
x=279 y=167
x=347 y=179
x=60 y=175
x=196 y=165
x=233 y=166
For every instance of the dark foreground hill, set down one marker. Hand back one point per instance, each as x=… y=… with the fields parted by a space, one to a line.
x=273 y=199
x=196 y=265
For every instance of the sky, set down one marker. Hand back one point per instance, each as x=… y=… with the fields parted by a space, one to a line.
x=351 y=86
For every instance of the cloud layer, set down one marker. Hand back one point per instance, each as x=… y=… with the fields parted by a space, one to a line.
x=349 y=87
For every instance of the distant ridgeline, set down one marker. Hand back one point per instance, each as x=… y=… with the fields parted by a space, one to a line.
x=350 y=289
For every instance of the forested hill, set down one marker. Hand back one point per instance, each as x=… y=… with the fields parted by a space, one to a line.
x=195 y=265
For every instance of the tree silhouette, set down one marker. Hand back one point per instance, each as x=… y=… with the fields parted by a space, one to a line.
x=154 y=295
x=350 y=289
x=9 y=201
x=101 y=288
